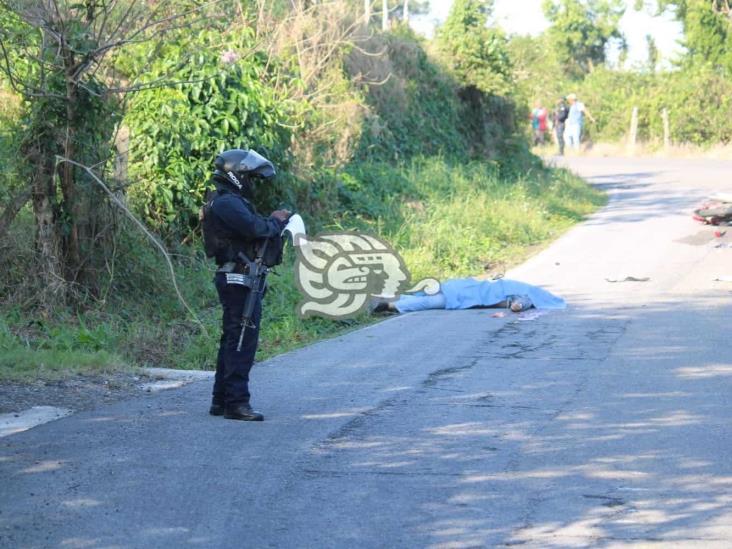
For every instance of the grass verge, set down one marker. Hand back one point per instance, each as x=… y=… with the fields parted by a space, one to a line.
x=446 y=218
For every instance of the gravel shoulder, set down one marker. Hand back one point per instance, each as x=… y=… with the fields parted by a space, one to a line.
x=76 y=393
x=87 y=392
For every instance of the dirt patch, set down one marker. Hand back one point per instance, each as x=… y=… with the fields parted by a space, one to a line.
x=83 y=392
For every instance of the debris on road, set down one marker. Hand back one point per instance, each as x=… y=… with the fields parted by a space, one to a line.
x=707 y=237
x=714 y=212
x=531 y=315
x=629 y=279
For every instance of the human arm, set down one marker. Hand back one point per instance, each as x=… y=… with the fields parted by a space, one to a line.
x=587 y=113
x=244 y=222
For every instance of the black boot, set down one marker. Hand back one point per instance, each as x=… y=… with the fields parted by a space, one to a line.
x=216 y=409
x=242 y=412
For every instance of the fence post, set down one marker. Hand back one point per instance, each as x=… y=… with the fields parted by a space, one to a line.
x=633 y=131
x=666 y=129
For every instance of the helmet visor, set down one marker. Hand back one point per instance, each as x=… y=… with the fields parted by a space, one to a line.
x=255 y=164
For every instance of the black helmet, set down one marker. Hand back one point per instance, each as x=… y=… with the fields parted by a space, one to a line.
x=238 y=165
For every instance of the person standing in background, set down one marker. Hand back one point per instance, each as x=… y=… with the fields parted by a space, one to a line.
x=539 y=118
x=575 y=121
x=560 y=117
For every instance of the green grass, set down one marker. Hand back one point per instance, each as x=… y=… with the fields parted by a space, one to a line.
x=30 y=364
x=451 y=219
x=447 y=219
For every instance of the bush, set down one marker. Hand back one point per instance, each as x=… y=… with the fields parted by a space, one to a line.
x=224 y=101
x=431 y=163
x=446 y=217
x=10 y=127
x=698 y=100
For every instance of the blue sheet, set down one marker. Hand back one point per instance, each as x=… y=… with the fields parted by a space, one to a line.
x=465 y=293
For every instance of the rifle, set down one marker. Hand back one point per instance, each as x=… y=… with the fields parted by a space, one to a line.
x=257 y=274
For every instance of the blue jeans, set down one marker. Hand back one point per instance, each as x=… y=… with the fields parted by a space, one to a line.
x=573 y=133
x=419 y=301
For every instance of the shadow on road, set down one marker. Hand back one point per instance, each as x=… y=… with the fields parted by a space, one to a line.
x=446 y=428
x=545 y=432
x=636 y=197
x=538 y=455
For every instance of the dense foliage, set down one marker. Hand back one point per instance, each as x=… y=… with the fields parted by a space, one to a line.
x=419 y=141
x=698 y=101
x=56 y=59
x=223 y=98
x=580 y=31
x=707 y=30
x=571 y=58
x=475 y=52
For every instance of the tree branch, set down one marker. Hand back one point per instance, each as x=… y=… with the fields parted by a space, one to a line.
x=15 y=204
x=145 y=230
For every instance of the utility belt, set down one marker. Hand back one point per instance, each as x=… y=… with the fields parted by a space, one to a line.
x=237 y=273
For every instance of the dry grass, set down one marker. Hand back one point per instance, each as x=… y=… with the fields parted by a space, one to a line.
x=314 y=39
x=9 y=104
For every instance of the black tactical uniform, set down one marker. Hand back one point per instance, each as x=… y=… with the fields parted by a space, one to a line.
x=560 y=117
x=237 y=224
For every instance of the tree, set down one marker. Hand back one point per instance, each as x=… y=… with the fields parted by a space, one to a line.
x=402 y=9
x=475 y=53
x=13 y=194
x=59 y=56
x=225 y=99
x=477 y=56
x=536 y=70
x=707 y=29
x=652 y=53
x=580 y=31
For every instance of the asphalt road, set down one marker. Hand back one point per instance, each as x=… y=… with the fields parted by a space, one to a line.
x=604 y=425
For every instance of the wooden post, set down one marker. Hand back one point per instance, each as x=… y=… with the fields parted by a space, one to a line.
x=633 y=130
x=384 y=15
x=666 y=129
x=366 y=12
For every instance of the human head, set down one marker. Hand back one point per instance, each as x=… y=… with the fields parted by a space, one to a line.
x=572 y=97
x=237 y=167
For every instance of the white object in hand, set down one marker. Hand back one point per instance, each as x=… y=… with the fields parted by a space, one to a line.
x=296 y=227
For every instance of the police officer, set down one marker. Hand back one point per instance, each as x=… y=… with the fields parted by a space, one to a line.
x=237 y=224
